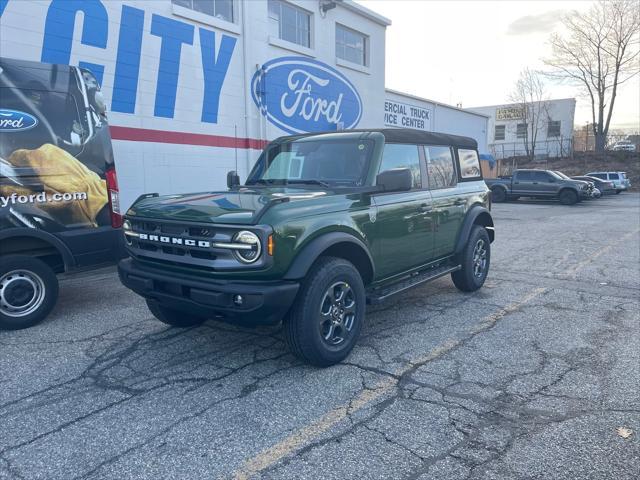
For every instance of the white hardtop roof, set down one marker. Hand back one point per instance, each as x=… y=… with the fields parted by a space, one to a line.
x=422 y=99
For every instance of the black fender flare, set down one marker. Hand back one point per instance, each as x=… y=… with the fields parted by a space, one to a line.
x=474 y=214
x=55 y=242
x=310 y=253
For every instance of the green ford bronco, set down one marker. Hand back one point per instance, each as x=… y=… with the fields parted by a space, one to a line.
x=324 y=224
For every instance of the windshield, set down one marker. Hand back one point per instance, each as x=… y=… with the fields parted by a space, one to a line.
x=561 y=175
x=325 y=162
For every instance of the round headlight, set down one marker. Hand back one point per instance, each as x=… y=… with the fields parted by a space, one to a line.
x=247 y=255
x=126 y=225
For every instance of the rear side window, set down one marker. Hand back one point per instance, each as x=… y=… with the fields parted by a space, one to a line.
x=602 y=176
x=469 y=164
x=398 y=155
x=440 y=167
x=524 y=176
x=614 y=176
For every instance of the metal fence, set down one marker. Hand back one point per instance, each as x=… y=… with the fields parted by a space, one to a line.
x=553 y=148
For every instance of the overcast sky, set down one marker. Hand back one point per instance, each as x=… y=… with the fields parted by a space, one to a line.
x=472 y=51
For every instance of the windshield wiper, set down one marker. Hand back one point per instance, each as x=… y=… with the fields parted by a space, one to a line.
x=268 y=181
x=309 y=182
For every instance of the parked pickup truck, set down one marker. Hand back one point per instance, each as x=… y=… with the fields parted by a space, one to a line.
x=538 y=184
x=324 y=224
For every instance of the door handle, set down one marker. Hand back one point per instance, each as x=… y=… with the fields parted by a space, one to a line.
x=535 y=183
x=458 y=201
x=425 y=207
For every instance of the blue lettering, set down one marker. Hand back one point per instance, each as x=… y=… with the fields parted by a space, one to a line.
x=3 y=5
x=173 y=34
x=58 y=31
x=215 y=70
x=125 y=84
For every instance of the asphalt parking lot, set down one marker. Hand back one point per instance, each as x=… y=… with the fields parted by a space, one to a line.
x=531 y=377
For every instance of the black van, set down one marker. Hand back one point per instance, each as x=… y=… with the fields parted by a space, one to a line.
x=59 y=206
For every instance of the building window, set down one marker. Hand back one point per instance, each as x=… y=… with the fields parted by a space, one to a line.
x=553 y=128
x=351 y=45
x=521 y=130
x=499 y=133
x=289 y=23
x=222 y=9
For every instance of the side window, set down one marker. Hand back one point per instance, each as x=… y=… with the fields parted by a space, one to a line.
x=397 y=155
x=602 y=176
x=440 y=168
x=524 y=176
x=541 y=177
x=469 y=163
x=614 y=176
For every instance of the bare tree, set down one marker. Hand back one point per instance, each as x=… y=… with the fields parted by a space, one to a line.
x=530 y=97
x=600 y=51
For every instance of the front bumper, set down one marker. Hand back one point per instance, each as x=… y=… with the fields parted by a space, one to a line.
x=263 y=303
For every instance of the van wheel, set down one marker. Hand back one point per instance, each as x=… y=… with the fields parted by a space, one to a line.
x=28 y=291
x=498 y=194
x=175 y=318
x=568 y=197
x=325 y=320
x=475 y=260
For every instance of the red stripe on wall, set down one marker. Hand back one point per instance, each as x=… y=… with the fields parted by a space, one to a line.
x=181 y=138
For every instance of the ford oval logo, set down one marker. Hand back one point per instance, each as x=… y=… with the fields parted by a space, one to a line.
x=16 y=121
x=301 y=95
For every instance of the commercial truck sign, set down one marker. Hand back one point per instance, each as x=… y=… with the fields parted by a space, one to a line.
x=404 y=115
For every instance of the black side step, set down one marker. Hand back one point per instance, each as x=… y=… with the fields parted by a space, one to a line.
x=379 y=295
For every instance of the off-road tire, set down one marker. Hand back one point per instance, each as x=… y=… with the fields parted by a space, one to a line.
x=175 y=318
x=302 y=325
x=28 y=291
x=498 y=195
x=568 y=197
x=466 y=278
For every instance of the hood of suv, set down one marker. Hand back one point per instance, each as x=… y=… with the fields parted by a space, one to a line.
x=244 y=206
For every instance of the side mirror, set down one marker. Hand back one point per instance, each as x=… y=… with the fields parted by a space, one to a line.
x=395 y=180
x=233 y=179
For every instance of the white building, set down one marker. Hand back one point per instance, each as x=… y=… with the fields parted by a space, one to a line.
x=195 y=88
x=510 y=134
x=402 y=110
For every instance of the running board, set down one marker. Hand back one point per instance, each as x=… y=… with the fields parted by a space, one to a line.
x=379 y=295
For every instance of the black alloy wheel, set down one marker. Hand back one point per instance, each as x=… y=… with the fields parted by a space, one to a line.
x=474 y=261
x=326 y=318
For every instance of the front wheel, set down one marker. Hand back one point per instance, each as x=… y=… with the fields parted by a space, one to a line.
x=474 y=260
x=568 y=197
x=175 y=318
x=324 y=322
x=28 y=291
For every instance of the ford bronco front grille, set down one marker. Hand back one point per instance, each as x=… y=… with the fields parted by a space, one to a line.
x=180 y=244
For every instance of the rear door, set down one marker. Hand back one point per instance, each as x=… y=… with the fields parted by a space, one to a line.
x=448 y=206
x=523 y=183
x=404 y=223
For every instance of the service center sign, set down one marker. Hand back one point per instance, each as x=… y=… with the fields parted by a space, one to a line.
x=403 y=115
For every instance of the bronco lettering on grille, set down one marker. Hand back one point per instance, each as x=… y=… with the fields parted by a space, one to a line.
x=175 y=240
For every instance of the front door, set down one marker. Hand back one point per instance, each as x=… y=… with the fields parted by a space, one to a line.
x=404 y=223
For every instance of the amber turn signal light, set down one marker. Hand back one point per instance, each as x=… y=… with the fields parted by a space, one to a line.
x=270 y=245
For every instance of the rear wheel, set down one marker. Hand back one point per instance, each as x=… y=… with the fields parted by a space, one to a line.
x=28 y=291
x=568 y=197
x=498 y=194
x=175 y=318
x=475 y=260
x=325 y=321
